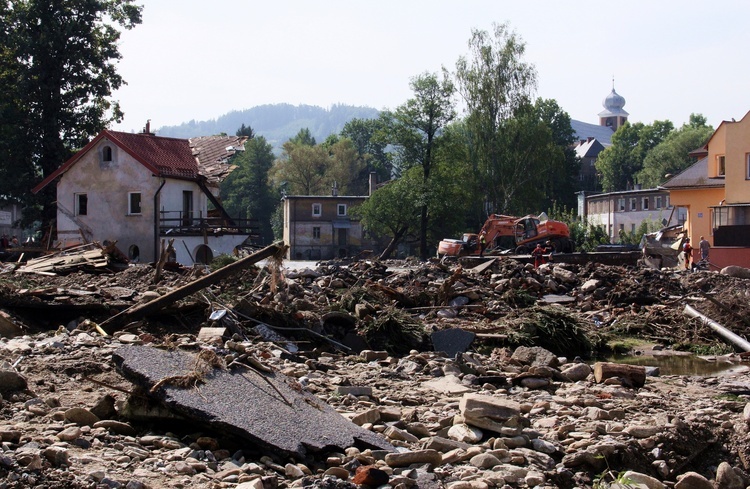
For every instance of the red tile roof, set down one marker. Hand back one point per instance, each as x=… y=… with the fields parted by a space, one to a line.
x=171 y=157
x=164 y=157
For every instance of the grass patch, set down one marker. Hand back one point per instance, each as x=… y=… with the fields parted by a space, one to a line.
x=552 y=328
x=395 y=332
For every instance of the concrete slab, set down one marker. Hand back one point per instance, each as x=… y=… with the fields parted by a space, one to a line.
x=452 y=341
x=267 y=409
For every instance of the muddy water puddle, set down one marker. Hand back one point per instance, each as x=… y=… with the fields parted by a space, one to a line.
x=686 y=364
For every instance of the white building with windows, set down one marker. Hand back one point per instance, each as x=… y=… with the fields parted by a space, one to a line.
x=625 y=211
x=137 y=189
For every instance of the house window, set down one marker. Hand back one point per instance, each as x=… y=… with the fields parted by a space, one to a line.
x=633 y=205
x=134 y=203
x=657 y=202
x=316 y=233
x=341 y=210
x=632 y=228
x=82 y=204
x=644 y=204
x=747 y=166
x=721 y=165
x=317 y=210
x=621 y=204
x=107 y=153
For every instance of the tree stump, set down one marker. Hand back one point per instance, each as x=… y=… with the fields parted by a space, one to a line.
x=631 y=375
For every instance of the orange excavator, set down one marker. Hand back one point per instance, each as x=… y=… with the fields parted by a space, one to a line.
x=502 y=233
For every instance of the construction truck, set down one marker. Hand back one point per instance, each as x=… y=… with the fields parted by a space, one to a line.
x=518 y=234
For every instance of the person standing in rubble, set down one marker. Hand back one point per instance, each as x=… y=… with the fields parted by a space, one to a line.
x=538 y=254
x=482 y=243
x=687 y=250
x=704 y=248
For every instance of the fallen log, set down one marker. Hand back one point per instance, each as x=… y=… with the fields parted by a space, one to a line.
x=736 y=340
x=631 y=375
x=142 y=310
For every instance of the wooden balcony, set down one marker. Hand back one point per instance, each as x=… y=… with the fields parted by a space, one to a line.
x=177 y=223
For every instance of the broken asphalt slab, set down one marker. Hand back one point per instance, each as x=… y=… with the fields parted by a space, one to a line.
x=263 y=407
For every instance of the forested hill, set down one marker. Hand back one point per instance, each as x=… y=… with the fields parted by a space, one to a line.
x=276 y=122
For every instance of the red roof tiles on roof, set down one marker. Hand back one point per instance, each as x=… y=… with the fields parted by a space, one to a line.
x=171 y=157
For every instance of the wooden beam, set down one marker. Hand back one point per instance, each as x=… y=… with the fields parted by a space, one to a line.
x=142 y=310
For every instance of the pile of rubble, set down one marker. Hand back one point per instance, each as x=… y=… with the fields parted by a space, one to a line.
x=364 y=373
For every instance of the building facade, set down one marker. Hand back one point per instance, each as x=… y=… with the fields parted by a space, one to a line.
x=139 y=189
x=624 y=212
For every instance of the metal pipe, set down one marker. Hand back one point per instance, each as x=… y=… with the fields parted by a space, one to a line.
x=156 y=220
x=721 y=330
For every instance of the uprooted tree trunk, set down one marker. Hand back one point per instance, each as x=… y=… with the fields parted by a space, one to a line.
x=392 y=245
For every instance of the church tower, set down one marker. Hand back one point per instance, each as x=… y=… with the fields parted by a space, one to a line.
x=613 y=115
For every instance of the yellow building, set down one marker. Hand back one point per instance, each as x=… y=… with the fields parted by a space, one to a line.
x=716 y=193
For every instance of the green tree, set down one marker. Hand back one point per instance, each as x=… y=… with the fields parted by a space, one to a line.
x=619 y=163
x=392 y=211
x=58 y=74
x=303 y=137
x=561 y=182
x=494 y=82
x=245 y=131
x=345 y=168
x=416 y=129
x=246 y=192
x=370 y=139
x=672 y=155
x=301 y=169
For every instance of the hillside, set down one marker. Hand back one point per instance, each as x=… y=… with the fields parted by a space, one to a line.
x=276 y=122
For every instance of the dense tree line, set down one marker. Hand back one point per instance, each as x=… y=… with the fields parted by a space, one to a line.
x=58 y=73
x=506 y=153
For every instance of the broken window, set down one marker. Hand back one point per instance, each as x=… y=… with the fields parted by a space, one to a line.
x=134 y=203
x=317 y=210
x=82 y=204
x=316 y=233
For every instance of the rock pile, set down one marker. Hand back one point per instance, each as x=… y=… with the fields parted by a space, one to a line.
x=495 y=415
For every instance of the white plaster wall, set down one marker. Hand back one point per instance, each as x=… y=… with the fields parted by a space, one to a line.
x=627 y=219
x=107 y=186
x=171 y=198
x=220 y=245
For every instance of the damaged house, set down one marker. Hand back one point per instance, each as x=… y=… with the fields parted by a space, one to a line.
x=138 y=188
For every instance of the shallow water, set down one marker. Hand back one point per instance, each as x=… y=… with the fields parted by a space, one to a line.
x=682 y=364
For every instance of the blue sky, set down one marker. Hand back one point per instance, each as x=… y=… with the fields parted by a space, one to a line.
x=194 y=59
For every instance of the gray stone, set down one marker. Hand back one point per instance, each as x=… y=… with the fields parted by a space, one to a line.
x=535 y=355
x=81 y=416
x=8 y=327
x=262 y=407
x=104 y=407
x=487 y=411
x=693 y=480
x=404 y=459
x=11 y=381
x=632 y=477
x=69 y=434
x=116 y=427
x=728 y=478
x=450 y=384
x=484 y=461
x=57 y=456
x=576 y=372
x=465 y=433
